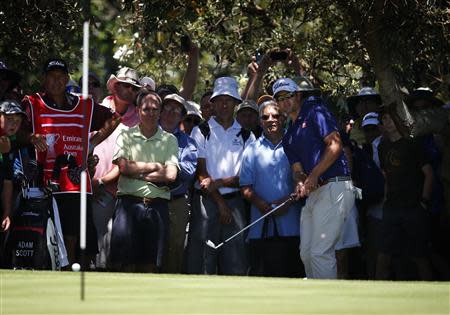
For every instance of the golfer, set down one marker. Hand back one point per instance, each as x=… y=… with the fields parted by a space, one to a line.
x=320 y=172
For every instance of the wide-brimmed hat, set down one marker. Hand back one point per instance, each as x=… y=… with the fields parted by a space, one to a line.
x=251 y=104
x=305 y=85
x=124 y=75
x=423 y=93
x=365 y=92
x=11 y=107
x=370 y=119
x=226 y=86
x=9 y=74
x=285 y=85
x=177 y=98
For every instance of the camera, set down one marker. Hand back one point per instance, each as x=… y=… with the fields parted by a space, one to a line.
x=278 y=55
x=258 y=55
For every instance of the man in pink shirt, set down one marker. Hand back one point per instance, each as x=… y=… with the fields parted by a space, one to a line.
x=124 y=88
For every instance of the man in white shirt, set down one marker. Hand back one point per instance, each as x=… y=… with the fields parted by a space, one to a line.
x=218 y=207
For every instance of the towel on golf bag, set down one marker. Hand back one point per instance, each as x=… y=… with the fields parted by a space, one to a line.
x=34 y=243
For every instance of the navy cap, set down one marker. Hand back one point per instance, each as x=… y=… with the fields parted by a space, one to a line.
x=9 y=74
x=56 y=64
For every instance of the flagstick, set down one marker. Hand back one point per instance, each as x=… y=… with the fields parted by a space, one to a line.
x=83 y=229
x=85 y=144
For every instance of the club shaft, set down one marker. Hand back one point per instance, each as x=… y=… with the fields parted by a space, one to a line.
x=254 y=222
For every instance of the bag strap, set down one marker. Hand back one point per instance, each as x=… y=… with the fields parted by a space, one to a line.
x=204 y=129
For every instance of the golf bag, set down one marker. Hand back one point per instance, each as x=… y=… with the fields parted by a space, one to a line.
x=35 y=240
x=33 y=235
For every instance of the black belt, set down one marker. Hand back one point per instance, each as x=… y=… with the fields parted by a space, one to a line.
x=144 y=200
x=224 y=196
x=336 y=179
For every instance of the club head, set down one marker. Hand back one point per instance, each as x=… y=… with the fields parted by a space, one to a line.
x=210 y=244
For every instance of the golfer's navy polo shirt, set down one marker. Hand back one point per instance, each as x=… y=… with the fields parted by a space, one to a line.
x=303 y=142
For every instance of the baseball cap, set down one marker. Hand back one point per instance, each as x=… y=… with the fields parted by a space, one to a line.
x=56 y=64
x=370 y=119
x=8 y=73
x=124 y=75
x=177 y=98
x=72 y=87
x=226 y=86
x=148 y=82
x=193 y=109
x=11 y=107
x=247 y=104
x=286 y=85
x=264 y=98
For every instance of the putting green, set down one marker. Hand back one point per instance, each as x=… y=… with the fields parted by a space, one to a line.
x=35 y=292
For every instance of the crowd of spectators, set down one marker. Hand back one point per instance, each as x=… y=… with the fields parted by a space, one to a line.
x=167 y=175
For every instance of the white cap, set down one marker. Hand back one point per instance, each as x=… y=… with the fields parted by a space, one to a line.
x=193 y=109
x=226 y=86
x=370 y=119
x=177 y=98
x=285 y=84
x=148 y=82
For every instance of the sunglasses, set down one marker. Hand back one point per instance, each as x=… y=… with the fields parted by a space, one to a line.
x=283 y=97
x=127 y=85
x=266 y=117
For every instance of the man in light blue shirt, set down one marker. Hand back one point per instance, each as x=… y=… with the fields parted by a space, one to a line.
x=266 y=181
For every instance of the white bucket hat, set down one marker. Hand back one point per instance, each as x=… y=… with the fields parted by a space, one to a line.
x=226 y=86
x=125 y=75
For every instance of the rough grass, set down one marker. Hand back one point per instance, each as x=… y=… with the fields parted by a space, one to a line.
x=33 y=292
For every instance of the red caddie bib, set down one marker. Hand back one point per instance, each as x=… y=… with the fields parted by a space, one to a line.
x=64 y=131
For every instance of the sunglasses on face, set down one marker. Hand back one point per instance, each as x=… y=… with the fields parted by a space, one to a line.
x=282 y=97
x=274 y=116
x=127 y=85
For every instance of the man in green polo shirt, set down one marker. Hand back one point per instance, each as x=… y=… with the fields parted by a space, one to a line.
x=147 y=158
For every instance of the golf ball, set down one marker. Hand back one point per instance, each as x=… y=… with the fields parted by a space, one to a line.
x=76 y=267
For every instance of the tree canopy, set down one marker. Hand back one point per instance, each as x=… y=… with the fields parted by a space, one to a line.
x=342 y=44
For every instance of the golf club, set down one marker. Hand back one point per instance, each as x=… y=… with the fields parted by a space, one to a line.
x=211 y=243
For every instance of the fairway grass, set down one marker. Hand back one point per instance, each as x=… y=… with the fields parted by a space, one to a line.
x=38 y=292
